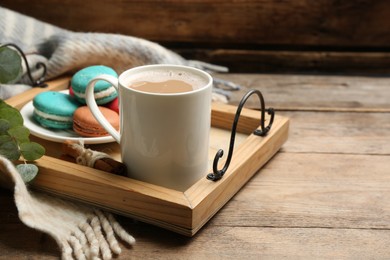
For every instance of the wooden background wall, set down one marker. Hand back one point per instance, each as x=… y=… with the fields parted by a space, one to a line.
x=333 y=36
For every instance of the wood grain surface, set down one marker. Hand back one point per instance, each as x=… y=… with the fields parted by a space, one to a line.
x=269 y=22
x=246 y=36
x=323 y=196
x=332 y=93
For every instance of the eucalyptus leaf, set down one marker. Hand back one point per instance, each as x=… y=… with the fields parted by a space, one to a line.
x=4 y=126
x=27 y=171
x=12 y=115
x=10 y=65
x=31 y=151
x=5 y=138
x=3 y=104
x=14 y=137
x=9 y=148
x=20 y=133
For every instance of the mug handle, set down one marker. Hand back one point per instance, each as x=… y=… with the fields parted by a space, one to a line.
x=91 y=103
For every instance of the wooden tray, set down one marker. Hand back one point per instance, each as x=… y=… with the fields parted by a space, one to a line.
x=182 y=212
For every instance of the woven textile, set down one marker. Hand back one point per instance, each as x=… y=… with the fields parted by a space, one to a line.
x=81 y=232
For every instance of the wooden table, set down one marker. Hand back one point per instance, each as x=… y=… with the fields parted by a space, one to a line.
x=324 y=195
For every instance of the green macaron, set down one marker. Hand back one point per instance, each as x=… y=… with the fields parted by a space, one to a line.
x=54 y=109
x=104 y=92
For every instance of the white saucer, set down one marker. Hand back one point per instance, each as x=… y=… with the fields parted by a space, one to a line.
x=56 y=135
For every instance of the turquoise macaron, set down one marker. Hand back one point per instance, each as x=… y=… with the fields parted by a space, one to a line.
x=54 y=109
x=104 y=92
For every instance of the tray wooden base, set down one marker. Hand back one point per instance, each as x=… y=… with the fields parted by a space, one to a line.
x=182 y=212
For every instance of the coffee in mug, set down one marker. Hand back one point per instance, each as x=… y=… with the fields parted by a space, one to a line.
x=165 y=113
x=167 y=81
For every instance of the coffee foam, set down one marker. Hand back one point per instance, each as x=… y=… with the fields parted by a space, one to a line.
x=196 y=81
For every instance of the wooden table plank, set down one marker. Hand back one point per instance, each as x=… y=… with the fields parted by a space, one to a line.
x=314 y=190
x=315 y=93
x=265 y=243
x=213 y=242
x=263 y=24
x=347 y=133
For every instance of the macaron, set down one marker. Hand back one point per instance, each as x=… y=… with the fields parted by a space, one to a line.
x=85 y=124
x=54 y=109
x=113 y=105
x=104 y=92
x=71 y=91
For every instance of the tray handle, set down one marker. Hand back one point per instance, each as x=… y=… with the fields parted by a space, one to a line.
x=41 y=81
x=218 y=174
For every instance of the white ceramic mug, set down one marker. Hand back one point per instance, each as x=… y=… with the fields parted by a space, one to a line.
x=164 y=138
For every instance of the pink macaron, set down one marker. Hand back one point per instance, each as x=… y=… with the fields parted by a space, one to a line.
x=113 y=105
